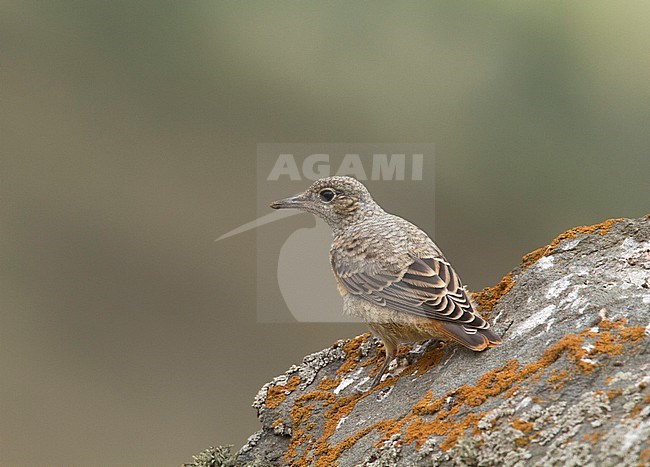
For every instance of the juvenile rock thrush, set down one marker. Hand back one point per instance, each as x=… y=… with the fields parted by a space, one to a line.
x=390 y=273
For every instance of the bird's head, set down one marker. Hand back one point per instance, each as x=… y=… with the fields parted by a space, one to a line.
x=338 y=200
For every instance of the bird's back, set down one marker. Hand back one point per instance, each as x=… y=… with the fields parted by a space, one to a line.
x=399 y=274
x=383 y=242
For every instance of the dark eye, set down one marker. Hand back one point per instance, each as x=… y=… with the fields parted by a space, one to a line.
x=326 y=195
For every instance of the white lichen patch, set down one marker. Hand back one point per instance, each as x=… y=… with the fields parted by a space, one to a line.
x=545 y=262
x=385 y=455
x=632 y=436
x=588 y=347
x=559 y=286
x=574 y=299
x=361 y=383
x=636 y=277
x=347 y=380
x=524 y=403
x=497 y=317
x=307 y=372
x=620 y=376
x=580 y=304
x=570 y=245
x=384 y=393
x=251 y=442
x=341 y=422
x=536 y=319
x=281 y=429
x=549 y=323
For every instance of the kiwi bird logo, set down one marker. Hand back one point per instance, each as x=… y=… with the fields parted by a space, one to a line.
x=303 y=274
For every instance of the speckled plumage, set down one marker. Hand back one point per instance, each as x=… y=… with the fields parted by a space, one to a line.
x=389 y=272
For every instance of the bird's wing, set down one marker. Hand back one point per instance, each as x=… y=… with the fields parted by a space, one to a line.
x=426 y=287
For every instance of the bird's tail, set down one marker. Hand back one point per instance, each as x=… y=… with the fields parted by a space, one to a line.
x=472 y=338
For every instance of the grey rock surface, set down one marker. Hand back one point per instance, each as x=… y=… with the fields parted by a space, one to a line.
x=568 y=386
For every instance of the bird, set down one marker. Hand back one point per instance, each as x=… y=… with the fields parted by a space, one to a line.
x=390 y=273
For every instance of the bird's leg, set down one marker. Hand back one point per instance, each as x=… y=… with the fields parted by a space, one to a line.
x=391 y=351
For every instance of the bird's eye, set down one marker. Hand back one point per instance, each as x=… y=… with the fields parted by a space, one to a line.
x=326 y=195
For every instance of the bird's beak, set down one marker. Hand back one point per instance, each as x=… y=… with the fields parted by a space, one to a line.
x=295 y=202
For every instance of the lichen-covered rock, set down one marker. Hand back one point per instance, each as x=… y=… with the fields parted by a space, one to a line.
x=568 y=386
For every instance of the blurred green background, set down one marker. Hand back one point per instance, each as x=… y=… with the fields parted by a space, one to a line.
x=129 y=132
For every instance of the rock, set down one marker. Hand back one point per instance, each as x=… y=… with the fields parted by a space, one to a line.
x=568 y=386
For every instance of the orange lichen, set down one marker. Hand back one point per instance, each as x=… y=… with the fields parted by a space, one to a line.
x=490 y=384
x=521 y=425
x=523 y=441
x=502 y=381
x=639 y=406
x=644 y=456
x=602 y=228
x=426 y=361
x=613 y=393
x=557 y=378
x=613 y=335
x=370 y=361
x=419 y=430
x=338 y=409
x=328 y=459
x=276 y=394
x=606 y=343
x=352 y=354
x=592 y=437
x=428 y=405
x=633 y=333
x=327 y=383
x=453 y=413
x=322 y=453
x=300 y=413
x=487 y=298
